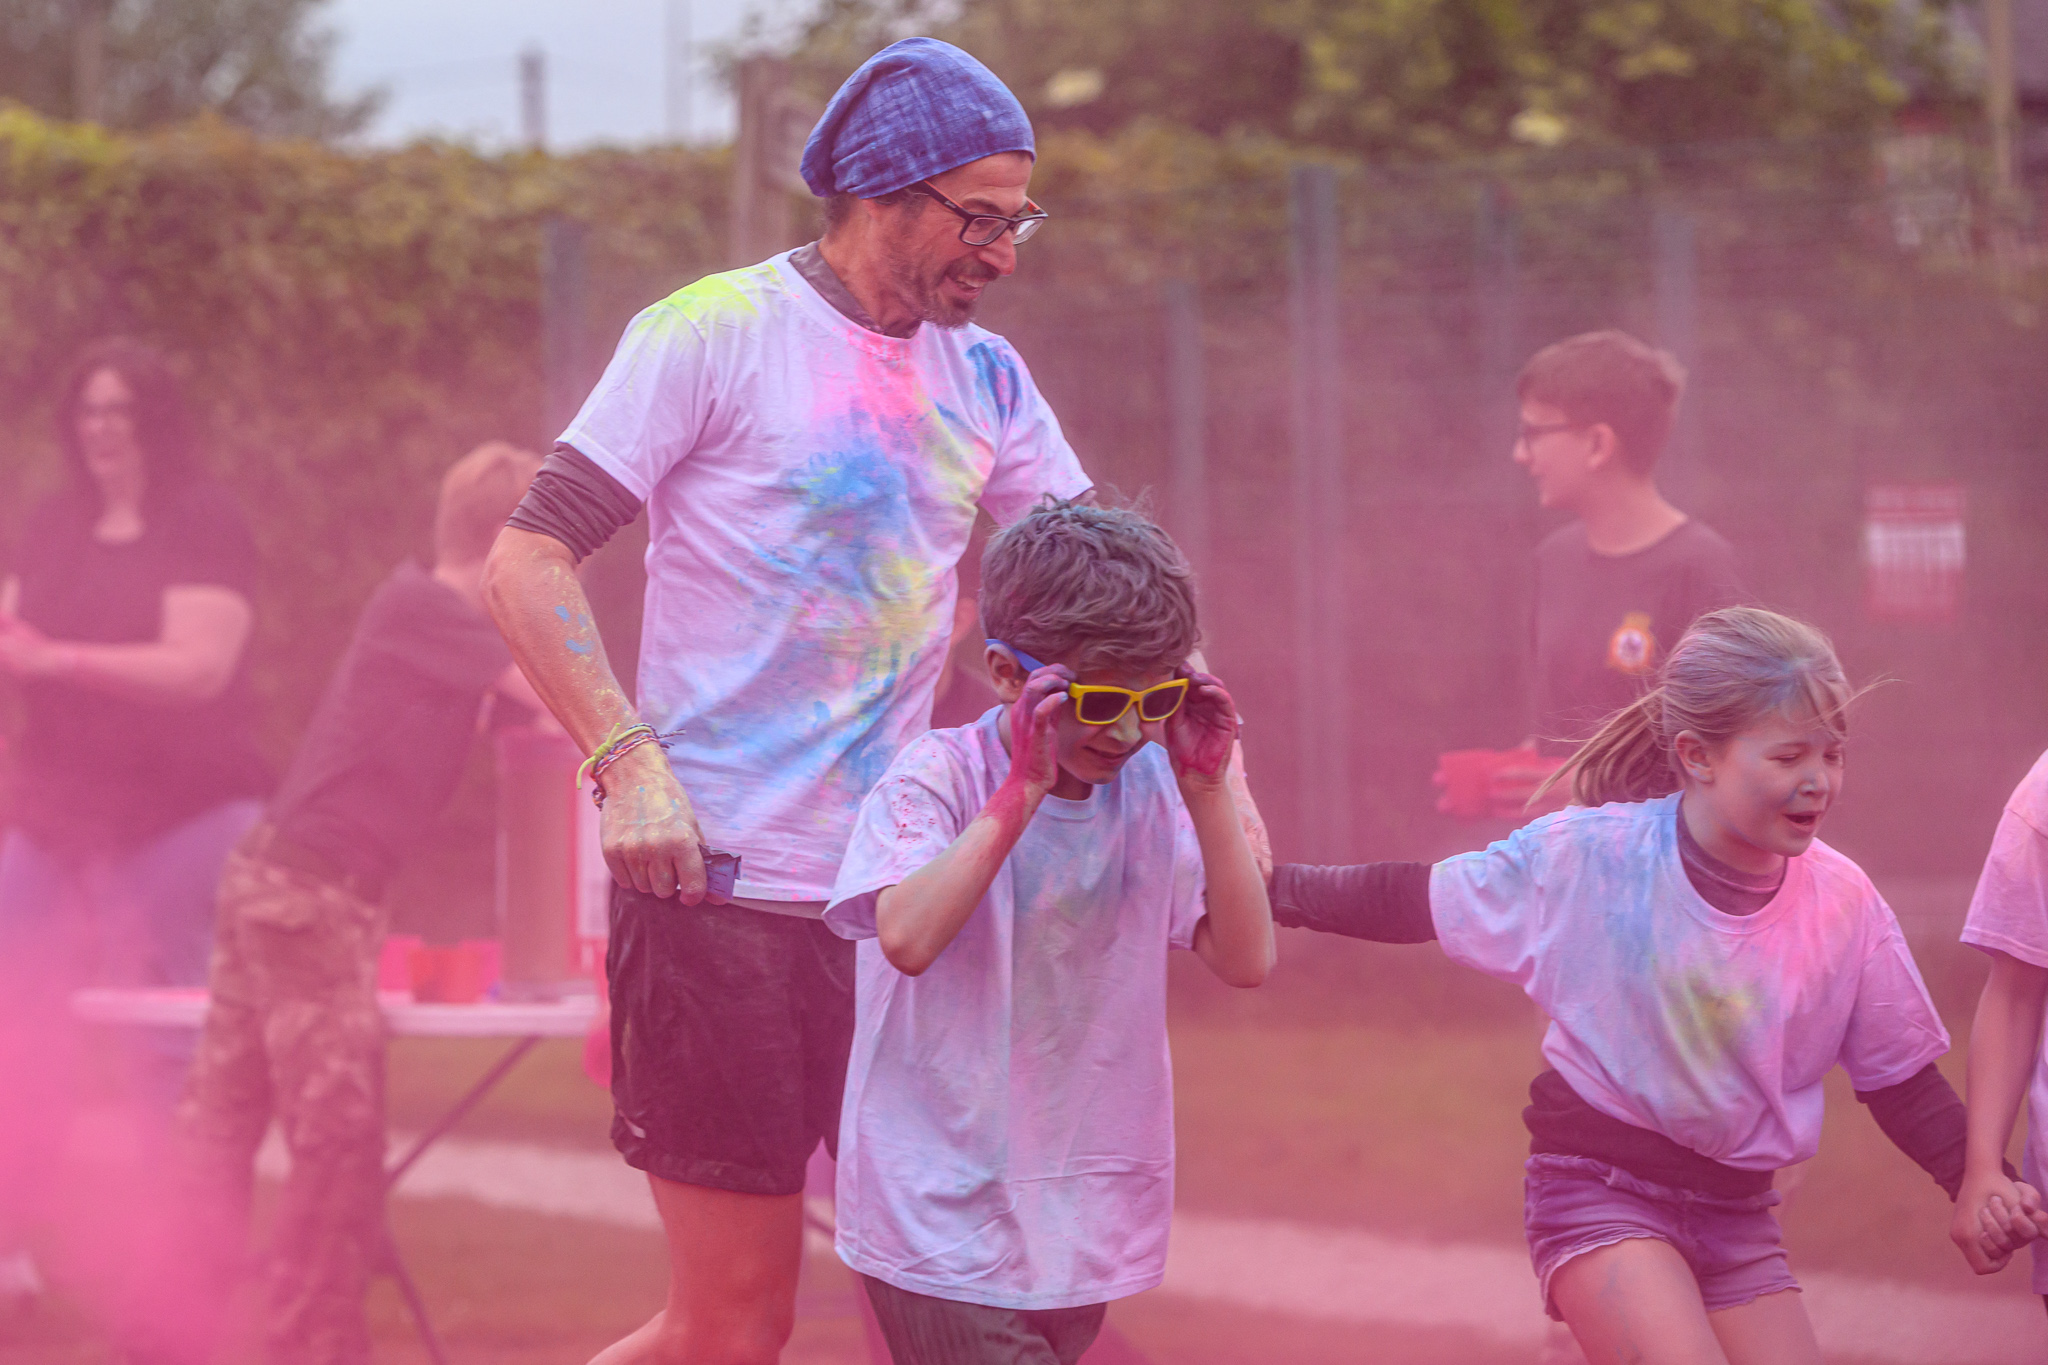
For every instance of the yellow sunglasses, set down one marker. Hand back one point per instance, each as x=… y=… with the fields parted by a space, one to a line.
x=1097 y=704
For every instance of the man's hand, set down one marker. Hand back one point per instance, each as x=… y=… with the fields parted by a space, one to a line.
x=1995 y=1217
x=1034 y=732
x=649 y=832
x=1200 y=735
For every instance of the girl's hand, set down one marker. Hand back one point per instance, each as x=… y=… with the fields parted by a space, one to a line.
x=1034 y=731
x=1994 y=1218
x=1199 y=736
x=2025 y=1220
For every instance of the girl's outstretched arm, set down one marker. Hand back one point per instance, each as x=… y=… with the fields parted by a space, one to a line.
x=1382 y=902
x=2003 y=1039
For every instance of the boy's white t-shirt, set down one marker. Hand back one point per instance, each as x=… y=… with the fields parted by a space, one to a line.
x=1007 y=1133
x=810 y=486
x=1713 y=1029
x=2009 y=913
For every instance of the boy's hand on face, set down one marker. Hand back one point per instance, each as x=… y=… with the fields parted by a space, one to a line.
x=1199 y=736
x=1034 y=730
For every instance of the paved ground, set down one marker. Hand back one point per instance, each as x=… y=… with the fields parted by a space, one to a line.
x=1331 y=1275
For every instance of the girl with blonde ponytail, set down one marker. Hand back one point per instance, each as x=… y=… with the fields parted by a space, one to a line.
x=1705 y=961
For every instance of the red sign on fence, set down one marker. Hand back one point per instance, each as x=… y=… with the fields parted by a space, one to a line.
x=1913 y=552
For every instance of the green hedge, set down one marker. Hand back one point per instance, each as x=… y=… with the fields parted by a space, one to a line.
x=350 y=323
x=353 y=321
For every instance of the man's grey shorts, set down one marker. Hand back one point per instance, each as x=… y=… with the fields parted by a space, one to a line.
x=922 y=1330
x=1574 y=1204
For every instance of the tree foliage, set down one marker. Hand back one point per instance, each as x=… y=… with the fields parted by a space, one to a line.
x=350 y=323
x=1431 y=78
x=258 y=63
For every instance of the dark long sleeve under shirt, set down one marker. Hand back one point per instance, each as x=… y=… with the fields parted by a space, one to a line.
x=1389 y=903
x=579 y=504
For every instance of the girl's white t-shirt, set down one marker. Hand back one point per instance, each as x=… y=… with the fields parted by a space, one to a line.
x=1713 y=1029
x=2009 y=913
x=810 y=486
x=1007 y=1132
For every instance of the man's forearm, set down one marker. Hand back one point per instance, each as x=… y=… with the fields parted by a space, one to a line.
x=1240 y=920
x=531 y=588
x=2003 y=1038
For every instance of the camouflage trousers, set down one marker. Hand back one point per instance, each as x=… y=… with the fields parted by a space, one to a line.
x=294 y=1034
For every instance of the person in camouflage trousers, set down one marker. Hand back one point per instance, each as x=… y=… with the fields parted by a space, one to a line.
x=294 y=1032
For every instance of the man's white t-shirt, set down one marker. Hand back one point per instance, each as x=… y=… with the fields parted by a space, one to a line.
x=2009 y=913
x=810 y=486
x=1713 y=1029
x=1007 y=1133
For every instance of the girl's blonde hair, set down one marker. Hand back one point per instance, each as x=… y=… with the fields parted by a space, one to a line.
x=1733 y=668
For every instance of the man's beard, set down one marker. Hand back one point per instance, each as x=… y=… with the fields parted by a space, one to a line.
x=926 y=292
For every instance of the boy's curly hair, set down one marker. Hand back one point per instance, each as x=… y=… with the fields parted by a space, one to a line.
x=1101 y=586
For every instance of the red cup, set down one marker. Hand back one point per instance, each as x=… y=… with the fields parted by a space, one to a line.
x=447 y=976
x=394 y=962
x=1464 y=775
x=490 y=960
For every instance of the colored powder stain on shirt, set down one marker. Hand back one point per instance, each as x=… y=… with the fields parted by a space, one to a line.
x=1708 y=1019
x=562 y=612
x=999 y=377
x=1714 y=1030
x=810 y=488
x=578 y=646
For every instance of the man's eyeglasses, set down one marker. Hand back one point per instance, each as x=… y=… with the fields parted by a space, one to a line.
x=1095 y=704
x=1528 y=433
x=980 y=229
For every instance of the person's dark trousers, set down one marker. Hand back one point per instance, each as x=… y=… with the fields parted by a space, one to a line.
x=922 y=1330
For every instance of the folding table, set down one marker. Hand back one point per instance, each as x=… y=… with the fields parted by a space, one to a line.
x=525 y=1024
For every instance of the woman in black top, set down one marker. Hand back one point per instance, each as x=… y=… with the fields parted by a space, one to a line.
x=124 y=619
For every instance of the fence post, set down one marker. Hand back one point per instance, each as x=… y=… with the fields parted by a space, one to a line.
x=563 y=286
x=1498 y=280
x=1187 y=419
x=1678 y=285
x=1322 y=733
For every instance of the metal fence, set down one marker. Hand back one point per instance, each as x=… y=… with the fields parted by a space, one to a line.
x=1319 y=396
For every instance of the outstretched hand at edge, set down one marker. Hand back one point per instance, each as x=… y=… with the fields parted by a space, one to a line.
x=1994 y=1218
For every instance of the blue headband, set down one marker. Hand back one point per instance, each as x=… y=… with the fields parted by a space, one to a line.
x=916 y=109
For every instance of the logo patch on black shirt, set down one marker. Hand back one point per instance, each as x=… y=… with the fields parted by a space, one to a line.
x=1632 y=648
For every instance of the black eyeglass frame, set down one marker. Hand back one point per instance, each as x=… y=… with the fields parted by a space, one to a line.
x=1023 y=227
x=1528 y=433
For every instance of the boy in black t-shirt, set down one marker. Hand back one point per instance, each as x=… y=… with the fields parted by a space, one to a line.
x=1618 y=585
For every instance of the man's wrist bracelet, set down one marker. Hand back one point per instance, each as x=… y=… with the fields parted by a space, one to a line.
x=621 y=741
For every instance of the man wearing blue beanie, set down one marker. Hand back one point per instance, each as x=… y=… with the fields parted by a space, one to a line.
x=812 y=456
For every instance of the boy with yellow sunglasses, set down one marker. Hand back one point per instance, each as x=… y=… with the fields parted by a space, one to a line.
x=1006 y=1141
